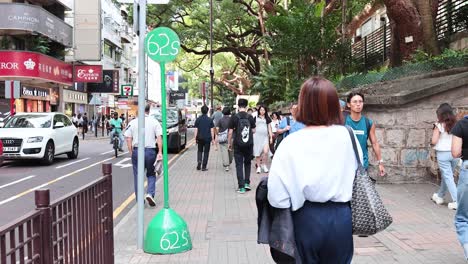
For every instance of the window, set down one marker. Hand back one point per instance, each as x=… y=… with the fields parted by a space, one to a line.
x=108 y=49
x=67 y=121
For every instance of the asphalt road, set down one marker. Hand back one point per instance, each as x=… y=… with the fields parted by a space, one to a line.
x=19 y=179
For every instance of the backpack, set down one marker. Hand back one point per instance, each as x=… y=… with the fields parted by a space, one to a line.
x=223 y=125
x=243 y=132
x=280 y=137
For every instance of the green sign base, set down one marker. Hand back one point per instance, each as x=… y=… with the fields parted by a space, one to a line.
x=167 y=233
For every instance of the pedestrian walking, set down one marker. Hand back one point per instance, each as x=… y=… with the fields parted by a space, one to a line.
x=85 y=125
x=216 y=117
x=442 y=141
x=313 y=179
x=289 y=124
x=240 y=138
x=204 y=135
x=262 y=139
x=364 y=129
x=275 y=119
x=80 y=123
x=75 y=120
x=153 y=151
x=460 y=149
x=222 y=136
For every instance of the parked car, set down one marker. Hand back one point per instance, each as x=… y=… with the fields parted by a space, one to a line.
x=39 y=136
x=176 y=127
x=1 y=152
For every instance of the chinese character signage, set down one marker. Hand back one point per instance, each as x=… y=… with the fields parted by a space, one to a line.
x=110 y=83
x=36 y=66
x=88 y=73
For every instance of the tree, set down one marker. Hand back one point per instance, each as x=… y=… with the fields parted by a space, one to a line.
x=411 y=19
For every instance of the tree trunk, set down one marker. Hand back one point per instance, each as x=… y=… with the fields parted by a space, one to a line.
x=405 y=24
x=425 y=8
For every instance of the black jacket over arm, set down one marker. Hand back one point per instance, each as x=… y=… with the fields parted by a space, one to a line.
x=275 y=227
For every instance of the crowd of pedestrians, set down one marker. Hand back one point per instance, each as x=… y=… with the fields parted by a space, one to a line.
x=313 y=163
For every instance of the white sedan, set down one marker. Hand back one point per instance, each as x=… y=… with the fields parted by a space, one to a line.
x=39 y=136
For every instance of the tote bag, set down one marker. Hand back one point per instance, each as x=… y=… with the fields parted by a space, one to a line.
x=368 y=212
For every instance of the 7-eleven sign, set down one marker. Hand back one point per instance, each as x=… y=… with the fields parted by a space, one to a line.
x=126 y=90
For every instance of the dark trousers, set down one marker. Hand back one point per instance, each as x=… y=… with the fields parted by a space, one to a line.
x=243 y=157
x=203 y=150
x=323 y=233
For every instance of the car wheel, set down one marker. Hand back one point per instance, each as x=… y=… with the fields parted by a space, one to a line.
x=185 y=141
x=75 y=148
x=179 y=147
x=49 y=153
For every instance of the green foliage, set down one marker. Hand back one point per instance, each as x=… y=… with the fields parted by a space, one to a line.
x=38 y=44
x=421 y=63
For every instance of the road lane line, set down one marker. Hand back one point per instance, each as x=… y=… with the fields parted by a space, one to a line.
x=18 y=181
x=55 y=180
x=107 y=152
x=71 y=163
x=124 y=205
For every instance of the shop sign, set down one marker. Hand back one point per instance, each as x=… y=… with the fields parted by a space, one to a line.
x=110 y=83
x=35 y=93
x=75 y=97
x=176 y=95
x=25 y=64
x=88 y=73
x=35 y=19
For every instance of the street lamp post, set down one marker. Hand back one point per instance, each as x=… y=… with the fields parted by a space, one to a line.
x=211 y=56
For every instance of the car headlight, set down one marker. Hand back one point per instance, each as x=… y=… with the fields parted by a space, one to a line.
x=35 y=139
x=173 y=130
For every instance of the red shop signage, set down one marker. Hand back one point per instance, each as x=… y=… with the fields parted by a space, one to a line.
x=34 y=65
x=88 y=73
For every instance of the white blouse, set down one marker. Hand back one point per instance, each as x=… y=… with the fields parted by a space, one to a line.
x=445 y=139
x=316 y=165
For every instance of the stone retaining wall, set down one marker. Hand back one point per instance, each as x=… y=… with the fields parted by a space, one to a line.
x=404 y=133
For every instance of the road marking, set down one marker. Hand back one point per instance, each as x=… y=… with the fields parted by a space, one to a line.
x=122 y=163
x=107 y=152
x=124 y=205
x=71 y=163
x=55 y=180
x=18 y=181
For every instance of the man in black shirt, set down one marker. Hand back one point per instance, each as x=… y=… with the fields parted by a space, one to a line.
x=204 y=135
x=241 y=129
x=460 y=149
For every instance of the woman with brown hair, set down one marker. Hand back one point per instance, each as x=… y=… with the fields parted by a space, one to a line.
x=313 y=173
x=442 y=141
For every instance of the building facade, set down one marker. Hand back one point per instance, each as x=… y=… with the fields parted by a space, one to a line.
x=33 y=41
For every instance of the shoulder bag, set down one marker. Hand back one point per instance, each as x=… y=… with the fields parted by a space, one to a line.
x=368 y=212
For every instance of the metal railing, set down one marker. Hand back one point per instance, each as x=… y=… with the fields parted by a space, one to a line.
x=75 y=229
x=373 y=49
x=452 y=17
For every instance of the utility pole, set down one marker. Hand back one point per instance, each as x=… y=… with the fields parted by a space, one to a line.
x=211 y=57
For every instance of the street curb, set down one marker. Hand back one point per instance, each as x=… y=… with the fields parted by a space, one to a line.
x=134 y=207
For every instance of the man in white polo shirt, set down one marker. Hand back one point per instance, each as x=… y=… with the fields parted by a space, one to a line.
x=153 y=132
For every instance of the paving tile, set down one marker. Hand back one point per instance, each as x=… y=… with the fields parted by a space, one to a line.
x=223 y=229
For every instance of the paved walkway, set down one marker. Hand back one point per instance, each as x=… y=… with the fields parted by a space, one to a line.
x=223 y=223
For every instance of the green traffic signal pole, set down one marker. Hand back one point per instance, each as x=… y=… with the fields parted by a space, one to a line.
x=167 y=232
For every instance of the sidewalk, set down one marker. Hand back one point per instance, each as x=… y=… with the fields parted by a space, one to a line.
x=223 y=224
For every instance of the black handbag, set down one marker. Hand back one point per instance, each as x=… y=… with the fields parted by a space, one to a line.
x=368 y=212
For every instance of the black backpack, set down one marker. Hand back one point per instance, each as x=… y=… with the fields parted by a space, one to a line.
x=243 y=131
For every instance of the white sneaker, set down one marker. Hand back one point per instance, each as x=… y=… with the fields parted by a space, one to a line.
x=150 y=200
x=265 y=169
x=436 y=199
x=452 y=206
x=259 y=170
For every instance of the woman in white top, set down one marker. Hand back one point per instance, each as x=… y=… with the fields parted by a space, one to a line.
x=442 y=139
x=313 y=172
x=262 y=138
